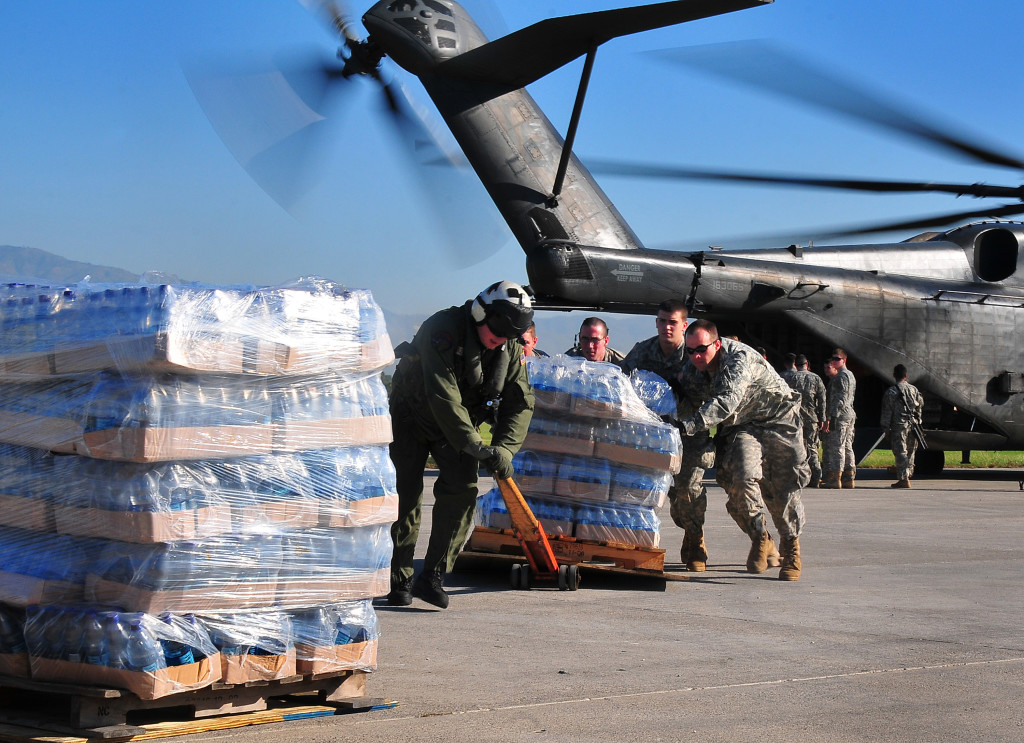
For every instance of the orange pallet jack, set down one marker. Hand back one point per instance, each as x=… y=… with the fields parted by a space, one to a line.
x=542 y=564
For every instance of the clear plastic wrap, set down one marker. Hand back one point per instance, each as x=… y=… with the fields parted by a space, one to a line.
x=302 y=328
x=148 y=655
x=571 y=385
x=198 y=455
x=653 y=391
x=625 y=524
x=336 y=637
x=13 y=651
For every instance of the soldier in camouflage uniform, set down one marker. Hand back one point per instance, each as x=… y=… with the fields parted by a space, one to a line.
x=840 y=418
x=464 y=364
x=760 y=448
x=790 y=370
x=902 y=406
x=812 y=411
x=592 y=343
x=664 y=355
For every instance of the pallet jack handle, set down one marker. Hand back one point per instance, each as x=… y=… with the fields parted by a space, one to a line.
x=528 y=530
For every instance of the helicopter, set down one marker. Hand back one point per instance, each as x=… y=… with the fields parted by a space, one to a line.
x=947 y=305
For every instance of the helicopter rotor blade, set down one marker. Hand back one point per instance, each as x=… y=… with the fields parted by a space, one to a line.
x=668 y=172
x=272 y=116
x=768 y=67
x=465 y=216
x=335 y=15
x=923 y=223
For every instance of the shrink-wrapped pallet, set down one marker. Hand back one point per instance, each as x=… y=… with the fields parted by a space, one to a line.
x=183 y=451
x=595 y=445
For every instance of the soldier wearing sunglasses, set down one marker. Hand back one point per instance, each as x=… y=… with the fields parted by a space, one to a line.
x=759 y=444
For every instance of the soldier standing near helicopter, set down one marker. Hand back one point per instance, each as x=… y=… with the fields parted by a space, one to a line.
x=902 y=406
x=840 y=465
x=463 y=368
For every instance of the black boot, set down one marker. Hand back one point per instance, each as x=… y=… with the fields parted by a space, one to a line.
x=401 y=592
x=429 y=588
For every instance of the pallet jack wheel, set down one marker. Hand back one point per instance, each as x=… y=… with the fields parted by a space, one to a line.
x=563 y=580
x=572 y=576
x=516 y=575
x=524 y=576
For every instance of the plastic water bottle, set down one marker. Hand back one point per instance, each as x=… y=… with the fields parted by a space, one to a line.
x=175 y=653
x=12 y=638
x=94 y=641
x=117 y=640
x=53 y=622
x=74 y=635
x=141 y=653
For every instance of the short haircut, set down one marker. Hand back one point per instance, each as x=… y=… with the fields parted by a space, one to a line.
x=790 y=358
x=801 y=361
x=840 y=353
x=705 y=325
x=899 y=372
x=671 y=306
x=595 y=321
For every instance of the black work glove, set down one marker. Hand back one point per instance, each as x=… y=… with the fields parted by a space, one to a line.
x=500 y=466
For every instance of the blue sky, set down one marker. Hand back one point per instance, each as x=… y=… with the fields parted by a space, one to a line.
x=108 y=158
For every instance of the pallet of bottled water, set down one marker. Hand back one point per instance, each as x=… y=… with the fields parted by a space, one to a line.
x=155 y=655
x=299 y=328
x=597 y=461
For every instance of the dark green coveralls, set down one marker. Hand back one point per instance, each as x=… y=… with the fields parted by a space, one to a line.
x=439 y=396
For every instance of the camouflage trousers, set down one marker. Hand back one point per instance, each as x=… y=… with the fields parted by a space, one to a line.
x=838 y=447
x=904 y=447
x=764 y=468
x=688 y=498
x=810 y=431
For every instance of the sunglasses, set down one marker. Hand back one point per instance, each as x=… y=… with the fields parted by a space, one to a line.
x=835 y=358
x=699 y=349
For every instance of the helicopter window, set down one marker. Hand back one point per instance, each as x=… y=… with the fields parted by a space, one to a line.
x=416 y=27
x=402 y=6
x=995 y=255
x=443 y=42
x=444 y=26
x=438 y=7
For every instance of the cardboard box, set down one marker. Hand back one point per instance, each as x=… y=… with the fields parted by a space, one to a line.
x=14 y=664
x=163 y=351
x=365 y=512
x=589 y=407
x=152 y=444
x=214 y=598
x=40 y=431
x=559 y=444
x=555 y=400
x=333 y=432
x=601 y=533
x=143 y=527
x=241 y=669
x=313 y=660
x=294 y=513
x=622 y=494
x=364 y=585
x=637 y=457
x=24 y=590
x=145 y=685
x=26 y=513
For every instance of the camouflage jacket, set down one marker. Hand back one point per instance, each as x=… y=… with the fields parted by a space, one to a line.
x=449 y=383
x=812 y=394
x=839 y=396
x=647 y=355
x=743 y=390
x=902 y=405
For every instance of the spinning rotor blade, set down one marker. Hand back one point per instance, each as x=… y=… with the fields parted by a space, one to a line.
x=668 y=172
x=270 y=116
x=924 y=223
x=335 y=16
x=469 y=223
x=764 y=66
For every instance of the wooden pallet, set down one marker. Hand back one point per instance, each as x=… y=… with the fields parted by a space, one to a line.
x=35 y=710
x=607 y=557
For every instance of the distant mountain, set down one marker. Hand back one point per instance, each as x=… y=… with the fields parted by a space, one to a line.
x=31 y=264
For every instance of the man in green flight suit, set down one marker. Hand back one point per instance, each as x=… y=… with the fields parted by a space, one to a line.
x=465 y=367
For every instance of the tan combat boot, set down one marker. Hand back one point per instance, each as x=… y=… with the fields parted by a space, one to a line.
x=830 y=480
x=694 y=553
x=904 y=483
x=762 y=554
x=791 y=562
x=849 y=478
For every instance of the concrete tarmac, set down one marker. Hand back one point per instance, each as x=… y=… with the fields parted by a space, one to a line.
x=906 y=625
